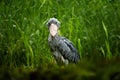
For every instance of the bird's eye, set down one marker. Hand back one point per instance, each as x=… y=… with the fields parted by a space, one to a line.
x=55 y=22
x=48 y=24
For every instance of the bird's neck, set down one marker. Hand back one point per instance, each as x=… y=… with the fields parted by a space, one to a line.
x=54 y=36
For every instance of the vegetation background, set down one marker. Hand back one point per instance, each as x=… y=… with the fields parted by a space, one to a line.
x=92 y=25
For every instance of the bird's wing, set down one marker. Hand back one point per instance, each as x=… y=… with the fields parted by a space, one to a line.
x=68 y=50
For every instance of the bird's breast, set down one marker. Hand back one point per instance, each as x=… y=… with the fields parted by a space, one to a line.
x=53 y=42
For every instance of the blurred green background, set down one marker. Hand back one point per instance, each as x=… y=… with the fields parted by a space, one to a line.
x=92 y=25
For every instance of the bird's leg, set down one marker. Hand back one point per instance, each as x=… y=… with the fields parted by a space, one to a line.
x=59 y=58
x=65 y=61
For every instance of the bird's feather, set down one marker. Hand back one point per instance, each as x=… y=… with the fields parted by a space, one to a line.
x=68 y=50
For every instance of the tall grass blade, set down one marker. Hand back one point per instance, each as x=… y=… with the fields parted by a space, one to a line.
x=108 y=54
x=80 y=48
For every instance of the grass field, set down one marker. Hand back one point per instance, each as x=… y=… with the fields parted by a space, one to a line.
x=92 y=25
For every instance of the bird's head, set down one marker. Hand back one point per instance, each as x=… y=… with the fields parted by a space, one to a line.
x=53 y=25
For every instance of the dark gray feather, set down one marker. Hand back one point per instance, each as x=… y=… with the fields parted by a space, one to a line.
x=68 y=50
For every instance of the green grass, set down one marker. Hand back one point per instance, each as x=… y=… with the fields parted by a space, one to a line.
x=108 y=53
x=93 y=26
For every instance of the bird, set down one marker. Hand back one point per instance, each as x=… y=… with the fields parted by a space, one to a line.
x=61 y=48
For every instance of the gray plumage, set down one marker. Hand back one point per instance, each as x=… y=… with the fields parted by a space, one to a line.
x=62 y=49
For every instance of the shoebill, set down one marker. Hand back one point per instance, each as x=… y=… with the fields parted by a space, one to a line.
x=62 y=49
